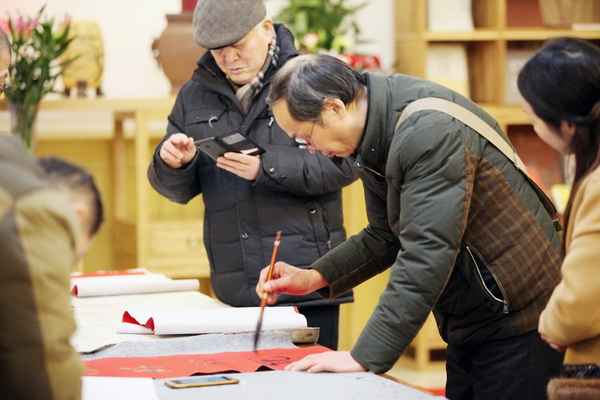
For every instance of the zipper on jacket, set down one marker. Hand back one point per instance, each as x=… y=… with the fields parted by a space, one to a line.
x=492 y=295
x=360 y=164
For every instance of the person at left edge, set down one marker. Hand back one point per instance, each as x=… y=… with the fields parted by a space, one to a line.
x=41 y=238
x=247 y=198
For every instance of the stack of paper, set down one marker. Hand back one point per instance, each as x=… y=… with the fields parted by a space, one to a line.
x=127 y=282
x=447 y=65
x=191 y=322
x=449 y=15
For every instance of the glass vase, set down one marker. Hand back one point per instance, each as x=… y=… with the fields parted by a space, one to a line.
x=22 y=117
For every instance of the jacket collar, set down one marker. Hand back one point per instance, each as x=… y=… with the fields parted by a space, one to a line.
x=377 y=134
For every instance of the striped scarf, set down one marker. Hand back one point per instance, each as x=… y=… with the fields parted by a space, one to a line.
x=245 y=93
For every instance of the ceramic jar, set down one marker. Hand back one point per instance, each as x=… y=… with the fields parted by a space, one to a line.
x=176 y=51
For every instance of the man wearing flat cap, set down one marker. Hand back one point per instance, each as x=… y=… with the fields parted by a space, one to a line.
x=248 y=198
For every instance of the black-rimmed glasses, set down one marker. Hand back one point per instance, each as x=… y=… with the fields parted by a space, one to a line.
x=305 y=143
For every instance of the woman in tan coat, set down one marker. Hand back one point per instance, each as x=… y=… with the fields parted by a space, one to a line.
x=560 y=88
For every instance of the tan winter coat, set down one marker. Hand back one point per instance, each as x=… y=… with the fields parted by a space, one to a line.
x=38 y=232
x=572 y=315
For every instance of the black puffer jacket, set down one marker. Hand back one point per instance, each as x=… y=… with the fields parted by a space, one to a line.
x=296 y=192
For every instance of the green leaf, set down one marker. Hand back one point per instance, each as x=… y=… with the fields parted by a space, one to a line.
x=329 y=18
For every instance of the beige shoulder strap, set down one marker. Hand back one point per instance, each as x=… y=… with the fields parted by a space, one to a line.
x=478 y=125
x=469 y=119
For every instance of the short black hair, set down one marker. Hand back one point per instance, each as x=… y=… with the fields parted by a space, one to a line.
x=76 y=179
x=562 y=80
x=307 y=80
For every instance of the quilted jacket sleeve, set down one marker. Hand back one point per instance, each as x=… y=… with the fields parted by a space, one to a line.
x=299 y=172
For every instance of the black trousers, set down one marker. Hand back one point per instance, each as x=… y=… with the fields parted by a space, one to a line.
x=327 y=318
x=516 y=368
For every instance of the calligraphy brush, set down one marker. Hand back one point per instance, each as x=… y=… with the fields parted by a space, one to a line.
x=265 y=295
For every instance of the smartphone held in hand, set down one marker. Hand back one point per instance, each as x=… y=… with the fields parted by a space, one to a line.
x=232 y=141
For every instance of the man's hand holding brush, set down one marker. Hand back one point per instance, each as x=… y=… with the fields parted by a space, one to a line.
x=288 y=279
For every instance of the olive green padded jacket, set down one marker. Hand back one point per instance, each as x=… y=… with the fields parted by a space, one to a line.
x=462 y=229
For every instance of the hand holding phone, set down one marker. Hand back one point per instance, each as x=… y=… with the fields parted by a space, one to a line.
x=196 y=381
x=232 y=141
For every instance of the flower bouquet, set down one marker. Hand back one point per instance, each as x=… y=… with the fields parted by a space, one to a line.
x=37 y=44
x=330 y=27
x=321 y=24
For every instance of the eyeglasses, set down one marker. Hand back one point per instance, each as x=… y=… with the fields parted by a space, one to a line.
x=306 y=143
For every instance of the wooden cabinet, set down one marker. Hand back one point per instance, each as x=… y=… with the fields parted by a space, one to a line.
x=115 y=139
x=150 y=231
x=427 y=351
x=504 y=31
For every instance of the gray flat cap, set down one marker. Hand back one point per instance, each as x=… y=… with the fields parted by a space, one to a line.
x=220 y=23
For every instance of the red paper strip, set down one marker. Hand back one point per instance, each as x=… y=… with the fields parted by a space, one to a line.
x=130 y=320
x=106 y=273
x=190 y=364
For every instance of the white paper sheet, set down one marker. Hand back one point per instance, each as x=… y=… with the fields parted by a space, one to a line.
x=129 y=284
x=98 y=317
x=177 y=322
x=103 y=388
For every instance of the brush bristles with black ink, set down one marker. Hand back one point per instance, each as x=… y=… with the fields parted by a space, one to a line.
x=257 y=332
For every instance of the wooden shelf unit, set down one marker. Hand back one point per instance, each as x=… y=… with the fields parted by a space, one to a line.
x=487 y=44
x=500 y=25
x=143 y=229
x=149 y=231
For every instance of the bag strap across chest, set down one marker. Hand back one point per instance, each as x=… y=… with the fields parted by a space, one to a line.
x=489 y=133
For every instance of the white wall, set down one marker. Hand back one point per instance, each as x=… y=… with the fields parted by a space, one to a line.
x=129 y=27
x=377 y=25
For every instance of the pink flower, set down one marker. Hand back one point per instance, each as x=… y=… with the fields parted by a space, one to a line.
x=19 y=27
x=62 y=27
x=4 y=27
x=65 y=22
x=24 y=28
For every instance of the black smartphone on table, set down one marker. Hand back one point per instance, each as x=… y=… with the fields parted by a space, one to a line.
x=232 y=141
